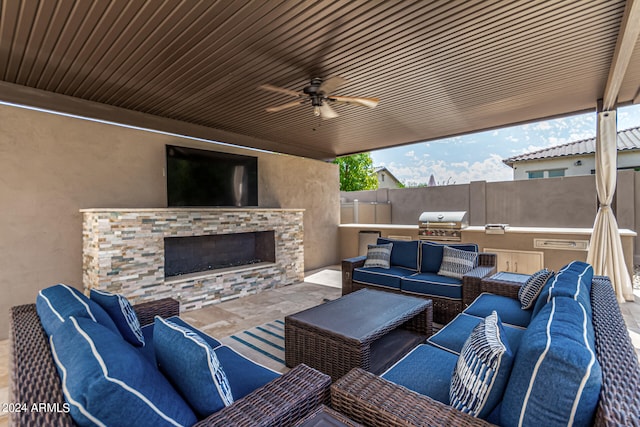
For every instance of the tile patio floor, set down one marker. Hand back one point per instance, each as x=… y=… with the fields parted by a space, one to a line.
x=237 y=315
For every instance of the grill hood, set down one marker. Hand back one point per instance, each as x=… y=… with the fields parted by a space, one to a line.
x=456 y=219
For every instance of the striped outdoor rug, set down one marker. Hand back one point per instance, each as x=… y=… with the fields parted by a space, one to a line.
x=263 y=344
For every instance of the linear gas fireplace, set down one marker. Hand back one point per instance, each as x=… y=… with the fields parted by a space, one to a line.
x=199 y=256
x=194 y=254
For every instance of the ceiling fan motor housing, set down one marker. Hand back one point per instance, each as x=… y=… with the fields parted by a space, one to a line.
x=313 y=87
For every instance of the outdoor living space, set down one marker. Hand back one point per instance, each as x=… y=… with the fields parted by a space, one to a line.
x=239 y=317
x=180 y=244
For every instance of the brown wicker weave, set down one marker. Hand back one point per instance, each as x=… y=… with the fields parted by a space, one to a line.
x=282 y=402
x=34 y=379
x=373 y=401
x=444 y=309
x=336 y=354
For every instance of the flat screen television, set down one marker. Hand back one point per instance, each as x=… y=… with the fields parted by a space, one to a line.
x=198 y=178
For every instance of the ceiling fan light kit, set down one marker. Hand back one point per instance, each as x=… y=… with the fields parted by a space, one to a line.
x=318 y=93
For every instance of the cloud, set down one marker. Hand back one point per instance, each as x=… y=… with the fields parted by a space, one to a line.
x=489 y=169
x=410 y=153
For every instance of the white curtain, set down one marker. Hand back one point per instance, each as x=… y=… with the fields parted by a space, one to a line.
x=605 y=253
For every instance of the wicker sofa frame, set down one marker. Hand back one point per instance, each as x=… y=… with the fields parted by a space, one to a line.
x=373 y=401
x=444 y=309
x=34 y=379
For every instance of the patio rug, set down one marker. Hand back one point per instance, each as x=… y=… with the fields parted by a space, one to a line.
x=263 y=344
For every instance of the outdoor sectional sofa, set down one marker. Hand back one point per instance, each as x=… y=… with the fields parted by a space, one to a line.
x=572 y=364
x=261 y=396
x=414 y=267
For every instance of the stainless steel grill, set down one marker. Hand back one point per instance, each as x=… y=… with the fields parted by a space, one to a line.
x=442 y=226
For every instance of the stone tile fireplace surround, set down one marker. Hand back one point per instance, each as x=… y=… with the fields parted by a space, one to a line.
x=124 y=252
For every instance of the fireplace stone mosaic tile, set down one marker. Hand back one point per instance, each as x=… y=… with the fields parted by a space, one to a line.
x=123 y=252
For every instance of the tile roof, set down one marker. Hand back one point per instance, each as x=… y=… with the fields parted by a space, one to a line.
x=628 y=139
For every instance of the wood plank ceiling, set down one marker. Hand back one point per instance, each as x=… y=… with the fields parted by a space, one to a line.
x=440 y=68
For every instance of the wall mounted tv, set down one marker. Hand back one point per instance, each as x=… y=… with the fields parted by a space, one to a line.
x=210 y=178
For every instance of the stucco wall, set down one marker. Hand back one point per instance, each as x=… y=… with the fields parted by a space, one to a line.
x=51 y=166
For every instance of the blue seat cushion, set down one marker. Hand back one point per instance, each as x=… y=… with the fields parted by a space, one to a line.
x=192 y=366
x=122 y=314
x=454 y=334
x=244 y=375
x=573 y=281
x=432 y=284
x=148 y=350
x=426 y=370
x=403 y=254
x=56 y=303
x=106 y=381
x=386 y=277
x=556 y=378
x=509 y=309
x=482 y=370
x=432 y=253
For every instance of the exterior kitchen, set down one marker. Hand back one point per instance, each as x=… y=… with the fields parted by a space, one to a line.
x=528 y=224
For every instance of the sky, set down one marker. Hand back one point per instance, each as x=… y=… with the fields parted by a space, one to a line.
x=478 y=156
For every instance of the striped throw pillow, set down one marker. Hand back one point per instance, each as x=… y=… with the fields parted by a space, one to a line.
x=456 y=263
x=483 y=369
x=379 y=255
x=528 y=293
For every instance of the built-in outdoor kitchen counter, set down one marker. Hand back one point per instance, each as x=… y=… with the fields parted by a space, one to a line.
x=519 y=249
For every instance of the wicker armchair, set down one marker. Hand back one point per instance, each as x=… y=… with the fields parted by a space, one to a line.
x=444 y=309
x=373 y=401
x=34 y=379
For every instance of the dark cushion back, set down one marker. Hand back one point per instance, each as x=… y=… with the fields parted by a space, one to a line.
x=404 y=253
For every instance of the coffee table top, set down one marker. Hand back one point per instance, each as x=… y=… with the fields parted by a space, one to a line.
x=362 y=315
x=507 y=276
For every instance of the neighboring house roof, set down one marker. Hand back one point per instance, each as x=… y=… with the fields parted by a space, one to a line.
x=628 y=139
x=379 y=169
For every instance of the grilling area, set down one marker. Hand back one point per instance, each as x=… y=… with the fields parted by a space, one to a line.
x=442 y=226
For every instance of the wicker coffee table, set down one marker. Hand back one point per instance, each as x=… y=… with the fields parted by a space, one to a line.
x=367 y=329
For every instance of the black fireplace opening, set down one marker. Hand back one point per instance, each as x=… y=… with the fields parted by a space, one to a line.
x=194 y=254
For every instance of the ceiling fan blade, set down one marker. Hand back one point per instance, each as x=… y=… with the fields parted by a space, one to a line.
x=326 y=112
x=365 y=102
x=280 y=90
x=284 y=106
x=331 y=84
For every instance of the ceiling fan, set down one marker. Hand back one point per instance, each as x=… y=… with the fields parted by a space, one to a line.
x=318 y=94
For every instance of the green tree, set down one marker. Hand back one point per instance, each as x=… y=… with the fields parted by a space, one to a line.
x=356 y=172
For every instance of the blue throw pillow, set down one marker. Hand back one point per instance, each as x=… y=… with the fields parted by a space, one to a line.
x=482 y=370
x=403 y=254
x=192 y=366
x=528 y=293
x=379 y=255
x=556 y=378
x=56 y=303
x=456 y=263
x=122 y=314
x=573 y=281
x=108 y=382
x=432 y=252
